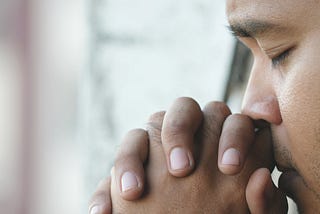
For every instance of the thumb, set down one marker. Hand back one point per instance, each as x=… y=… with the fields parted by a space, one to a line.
x=263 y=196
x=295 y=187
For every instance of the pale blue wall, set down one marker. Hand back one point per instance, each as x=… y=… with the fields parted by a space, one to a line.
x=146 y=53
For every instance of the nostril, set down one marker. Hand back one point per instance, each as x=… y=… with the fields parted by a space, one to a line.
x=263 y=109
x=261 y=124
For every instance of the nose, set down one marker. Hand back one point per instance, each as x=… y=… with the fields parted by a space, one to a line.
x=260 y=101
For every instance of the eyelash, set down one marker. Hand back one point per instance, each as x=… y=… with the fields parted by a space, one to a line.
x=279 y=60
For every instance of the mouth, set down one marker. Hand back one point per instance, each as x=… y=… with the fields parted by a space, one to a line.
x=289 y=172
x=282 y=155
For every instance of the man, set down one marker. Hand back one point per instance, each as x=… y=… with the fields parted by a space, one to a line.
x=219 y=162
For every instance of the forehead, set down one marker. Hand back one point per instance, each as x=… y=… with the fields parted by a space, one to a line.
x=280 y=12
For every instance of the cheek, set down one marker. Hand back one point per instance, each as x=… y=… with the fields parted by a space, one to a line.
x=299 y=102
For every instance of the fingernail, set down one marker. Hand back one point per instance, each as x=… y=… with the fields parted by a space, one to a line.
x=128 y=181
x=179 y=159
x=97 y=209
x=231 y=157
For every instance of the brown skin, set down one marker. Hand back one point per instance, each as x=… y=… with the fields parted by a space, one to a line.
x=208 y=185
x=168 y=194
x=285 y=94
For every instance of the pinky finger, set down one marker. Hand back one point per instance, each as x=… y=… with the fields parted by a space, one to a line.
x=100 y=202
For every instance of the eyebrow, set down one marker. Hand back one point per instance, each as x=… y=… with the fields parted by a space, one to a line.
x=253 y=28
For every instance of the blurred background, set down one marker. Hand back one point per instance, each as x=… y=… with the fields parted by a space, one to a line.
x=75 y=76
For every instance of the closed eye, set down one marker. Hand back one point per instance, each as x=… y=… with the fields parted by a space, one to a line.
x=280 y=59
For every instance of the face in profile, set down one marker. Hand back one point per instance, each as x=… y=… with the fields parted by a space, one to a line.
x=284 y=85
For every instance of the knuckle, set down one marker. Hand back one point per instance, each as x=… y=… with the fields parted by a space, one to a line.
x=215 y=114
x=186 y=106
x=132 y=138
x=133 y=141
x=135 y=133
x=104 y=183
x=217 y=107
x=125 y=161
x=118 y=161
x=239 y=117
x=176 y=130
x=185 y=114
x=240 y=124
x=176 y=125
x=157 y=117
x=98 y=195
x=154 y=126
x=185 y=99
x=154 y=134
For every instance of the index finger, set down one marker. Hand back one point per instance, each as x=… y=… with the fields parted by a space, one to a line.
x=180 y=124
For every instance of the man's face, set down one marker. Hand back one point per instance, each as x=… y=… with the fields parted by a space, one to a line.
x=284 y=86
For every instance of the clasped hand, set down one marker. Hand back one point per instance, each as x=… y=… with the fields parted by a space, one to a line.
x=190 y=160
